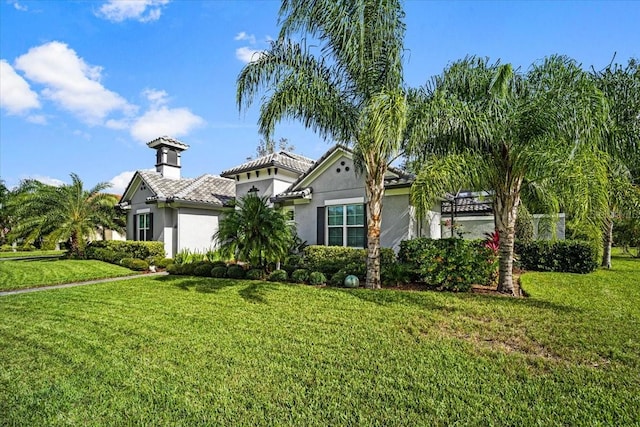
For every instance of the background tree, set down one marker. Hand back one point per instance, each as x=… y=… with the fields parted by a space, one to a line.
x=621 y=86
x=66 y=213
x=268 y=146
x=255 y=232
x=349 y=89
x=493 y=128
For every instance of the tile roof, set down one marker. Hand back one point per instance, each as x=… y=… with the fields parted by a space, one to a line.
x=283 y=159
x=207 y=189
x=472 y=205
x=403 y=179
x=167 y=140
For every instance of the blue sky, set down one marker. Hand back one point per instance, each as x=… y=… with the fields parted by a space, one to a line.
x=85 y=84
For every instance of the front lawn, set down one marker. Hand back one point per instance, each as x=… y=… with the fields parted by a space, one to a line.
x=192 y=351
x=21 y=274
x=31 y=254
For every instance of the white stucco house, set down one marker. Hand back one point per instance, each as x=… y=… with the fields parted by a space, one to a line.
x=324 y=197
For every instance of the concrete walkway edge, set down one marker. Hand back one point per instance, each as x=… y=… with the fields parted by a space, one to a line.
x=88 y=282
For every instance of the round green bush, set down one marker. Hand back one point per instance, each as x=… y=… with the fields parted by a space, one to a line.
x=255 y=274
x=203 y=270
x=215 y=264
x=219 y=272
x=278 y=276
x=337 y=279
x=236 y=272
x=135 y=264
x=162 y=262
x=317 y=278
x=174 y=269
x=300 y=275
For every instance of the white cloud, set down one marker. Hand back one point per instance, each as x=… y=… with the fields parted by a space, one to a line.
x=18 y=6
x=16 y=96
x=139 y=10
x=165 y=121
x=244 y=36
x=119 y=182
x=46 y=180
x=37 y=119
x=156 y=97
x=246 y=54
x=71 y=82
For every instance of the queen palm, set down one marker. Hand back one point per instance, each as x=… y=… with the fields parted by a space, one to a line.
x=513 y=134
x=66 y=213
x=348 y=89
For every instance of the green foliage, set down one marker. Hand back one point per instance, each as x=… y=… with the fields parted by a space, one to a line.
x=300 y=275
x=174 y=269
x=337 y=279
x=134 y=264
x=278 y=276
x=188 y=256
x=236 y=272
x=570 y=256
x=162 y=262
x=219 y=272
x=317 y=278
x=128 y=248
x=397 y=274
x=203 y=269
x=448 y=264
x=331 y=259
x=255 y=232
x=68 y=213
x=255 y=274
x=524 y=225
x=219 y=264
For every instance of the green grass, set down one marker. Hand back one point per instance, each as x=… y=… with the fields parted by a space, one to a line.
x=187 y=351
x=31 y=254
x=21 y=274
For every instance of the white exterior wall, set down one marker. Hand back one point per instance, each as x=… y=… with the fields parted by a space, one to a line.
x=197 y=226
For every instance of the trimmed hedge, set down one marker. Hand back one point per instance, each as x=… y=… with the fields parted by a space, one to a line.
x=203 y=269
x=236 y=272
x=219 y=272
x=317 y=278
x=300 y=275
x=448 y=264
x=564 y=256
x=331 y=259
x=135 y=264
x=128 y=248
x=255 y=274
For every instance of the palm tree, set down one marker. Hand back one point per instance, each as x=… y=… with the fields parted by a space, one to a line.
x=494 y=128
x=65 y=213
x=621 y=86
x=254 y=232
x=349 y=89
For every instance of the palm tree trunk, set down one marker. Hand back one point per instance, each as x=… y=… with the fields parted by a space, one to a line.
x=607 y=242
x=506 y=211
x=375 y=192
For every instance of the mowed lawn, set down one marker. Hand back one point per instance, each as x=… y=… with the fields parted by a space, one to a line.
x=187 y=351
x=31 y=273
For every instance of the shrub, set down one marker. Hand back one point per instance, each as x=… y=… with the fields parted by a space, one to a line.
x=203 y=269
x=236 y=272
x=448 y=264
x=129 y=248
x=6 y=248
x=396 y=274
x=219 y=272
x=317 y=278
x=174 y=269
x=330 y=259
x=337 y=279
x=135 y=264
x=278 y=276
x=255 y=274
x=215 y=264
x=300 y=275
x=524 y=225
x=162 y=262
x=108 y=255
x=566 y=256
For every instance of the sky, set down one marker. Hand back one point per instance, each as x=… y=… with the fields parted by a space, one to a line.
x=84 y=85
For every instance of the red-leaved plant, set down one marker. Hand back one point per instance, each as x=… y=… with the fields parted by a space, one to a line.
x=493 y=241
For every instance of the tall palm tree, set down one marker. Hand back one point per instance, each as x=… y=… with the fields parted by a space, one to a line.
x=348 y=89
x=255 y=232
x=494 y=128
x=66 y=213
x=621 y=86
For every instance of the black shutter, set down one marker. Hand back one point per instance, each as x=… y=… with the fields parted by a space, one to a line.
x=150 y=231
x=320 y=226
x=135 y=227
x=365 y=226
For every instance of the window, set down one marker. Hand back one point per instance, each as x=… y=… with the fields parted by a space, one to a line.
x=345 y=225
x=144 y=227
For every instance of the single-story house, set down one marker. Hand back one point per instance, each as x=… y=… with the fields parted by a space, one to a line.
x=325 y=198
